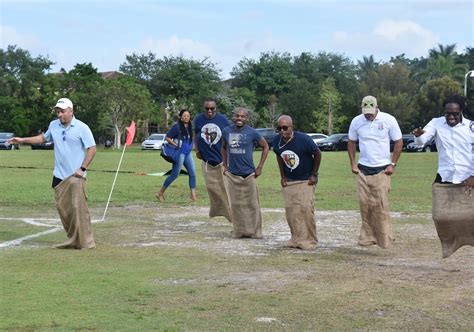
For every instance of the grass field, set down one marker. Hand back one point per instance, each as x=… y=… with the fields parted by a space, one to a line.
x=167 y=266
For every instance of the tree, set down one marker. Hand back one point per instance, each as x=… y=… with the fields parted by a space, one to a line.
x=327 y=112
x=187 y=80
x=268 y=77
x=22 y=78
x=300 y=103
x=82 y=84
x=442 y=51
x=123 y=100
x=366 y=66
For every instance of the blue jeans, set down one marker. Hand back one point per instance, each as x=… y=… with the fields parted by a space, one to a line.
x=188 y=162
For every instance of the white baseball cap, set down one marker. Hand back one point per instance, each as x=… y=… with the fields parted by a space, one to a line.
x=369 y=105
x=64 y=103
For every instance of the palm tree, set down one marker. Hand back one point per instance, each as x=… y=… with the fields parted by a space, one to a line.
x=366 y=66
x=442 y=50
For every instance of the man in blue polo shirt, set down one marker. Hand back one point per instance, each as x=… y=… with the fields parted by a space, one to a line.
x=208 y=127
x=298 y=160
x=74 y=149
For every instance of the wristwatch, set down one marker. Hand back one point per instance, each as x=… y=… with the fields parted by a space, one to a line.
x=393 y=164
x=83 y=169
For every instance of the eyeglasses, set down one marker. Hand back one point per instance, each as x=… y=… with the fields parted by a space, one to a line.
x=209 y=108
x=284 y=128
x=64 y=135
x=455 y=114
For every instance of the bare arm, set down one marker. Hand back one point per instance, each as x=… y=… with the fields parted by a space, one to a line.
x=90 y=154
x=351 y=150
x=39 y=139
x=283 y=179
x=195 y=140
x=224 y=155
x=264 y=145
x=397 y=150
x=313 y=179
x=171 y=141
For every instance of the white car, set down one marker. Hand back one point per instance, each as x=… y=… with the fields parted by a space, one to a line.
x=154 y=142
x=317 y=137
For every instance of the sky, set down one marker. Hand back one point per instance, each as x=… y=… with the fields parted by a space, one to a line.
x=225 y=32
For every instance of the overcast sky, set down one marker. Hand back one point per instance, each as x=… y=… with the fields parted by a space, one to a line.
x=104 y=32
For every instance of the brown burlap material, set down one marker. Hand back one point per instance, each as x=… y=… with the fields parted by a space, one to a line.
x=376 y=225
x=217 y=191
x=71 y=203
x=453 y=216
x=299 y=211
x=244 y=206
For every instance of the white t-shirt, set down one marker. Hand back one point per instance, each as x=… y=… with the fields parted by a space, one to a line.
x=374 y=138
x=455 y=148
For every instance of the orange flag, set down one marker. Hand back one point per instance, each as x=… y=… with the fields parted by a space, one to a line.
x=130 y=134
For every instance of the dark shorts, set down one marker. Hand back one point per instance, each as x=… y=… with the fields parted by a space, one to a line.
x=56 y=181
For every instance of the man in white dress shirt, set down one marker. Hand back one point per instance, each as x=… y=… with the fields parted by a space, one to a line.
x=374 y=130
x=453 y=204
x=454 y=136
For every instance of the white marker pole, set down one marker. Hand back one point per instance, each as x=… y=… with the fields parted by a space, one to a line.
x=113 y=184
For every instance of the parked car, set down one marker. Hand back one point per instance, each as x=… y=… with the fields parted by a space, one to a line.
x=153 y=142
x=317 y=137
x=429 y=146
x=43 y=146
x=4 y=137
x=268 y=134
x=407 y=139
x=336 y=142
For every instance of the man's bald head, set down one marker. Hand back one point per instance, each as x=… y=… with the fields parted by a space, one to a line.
x=285 y=127
x=286 y=119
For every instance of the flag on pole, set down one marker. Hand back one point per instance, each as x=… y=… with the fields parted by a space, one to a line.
x=130 y=133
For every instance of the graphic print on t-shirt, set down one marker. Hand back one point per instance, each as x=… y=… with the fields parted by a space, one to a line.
x=235 y=141
x=211 y=133
x=290 y=159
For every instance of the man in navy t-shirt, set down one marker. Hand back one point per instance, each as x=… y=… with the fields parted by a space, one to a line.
x=208 y=127
x=238 y=144
x=298 y=160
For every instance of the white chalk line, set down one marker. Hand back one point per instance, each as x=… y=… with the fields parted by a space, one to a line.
x=33 y=222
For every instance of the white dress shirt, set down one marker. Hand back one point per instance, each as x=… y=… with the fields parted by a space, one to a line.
x=374 y=138
x=455 y=148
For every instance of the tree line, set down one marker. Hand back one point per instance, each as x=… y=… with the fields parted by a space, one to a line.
x=322 y=91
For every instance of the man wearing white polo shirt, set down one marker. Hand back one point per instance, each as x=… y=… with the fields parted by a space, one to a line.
x=74 y=149
x=374 y=130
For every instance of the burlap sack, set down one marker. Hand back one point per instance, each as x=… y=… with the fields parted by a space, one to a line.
x=71 y=203
x=299 y=211
x=376 y=225
x=244 y=206
x=453 y=216
x=217 y=191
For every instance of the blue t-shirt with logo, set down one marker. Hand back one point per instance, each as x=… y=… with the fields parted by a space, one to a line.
x=240 y=147
x=186 y=144
x=297 y=155
x=209 y=136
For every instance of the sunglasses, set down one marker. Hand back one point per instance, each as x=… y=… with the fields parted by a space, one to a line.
x=455 y=114
x=209 y=108
x=284 y=128
x=64 y=135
